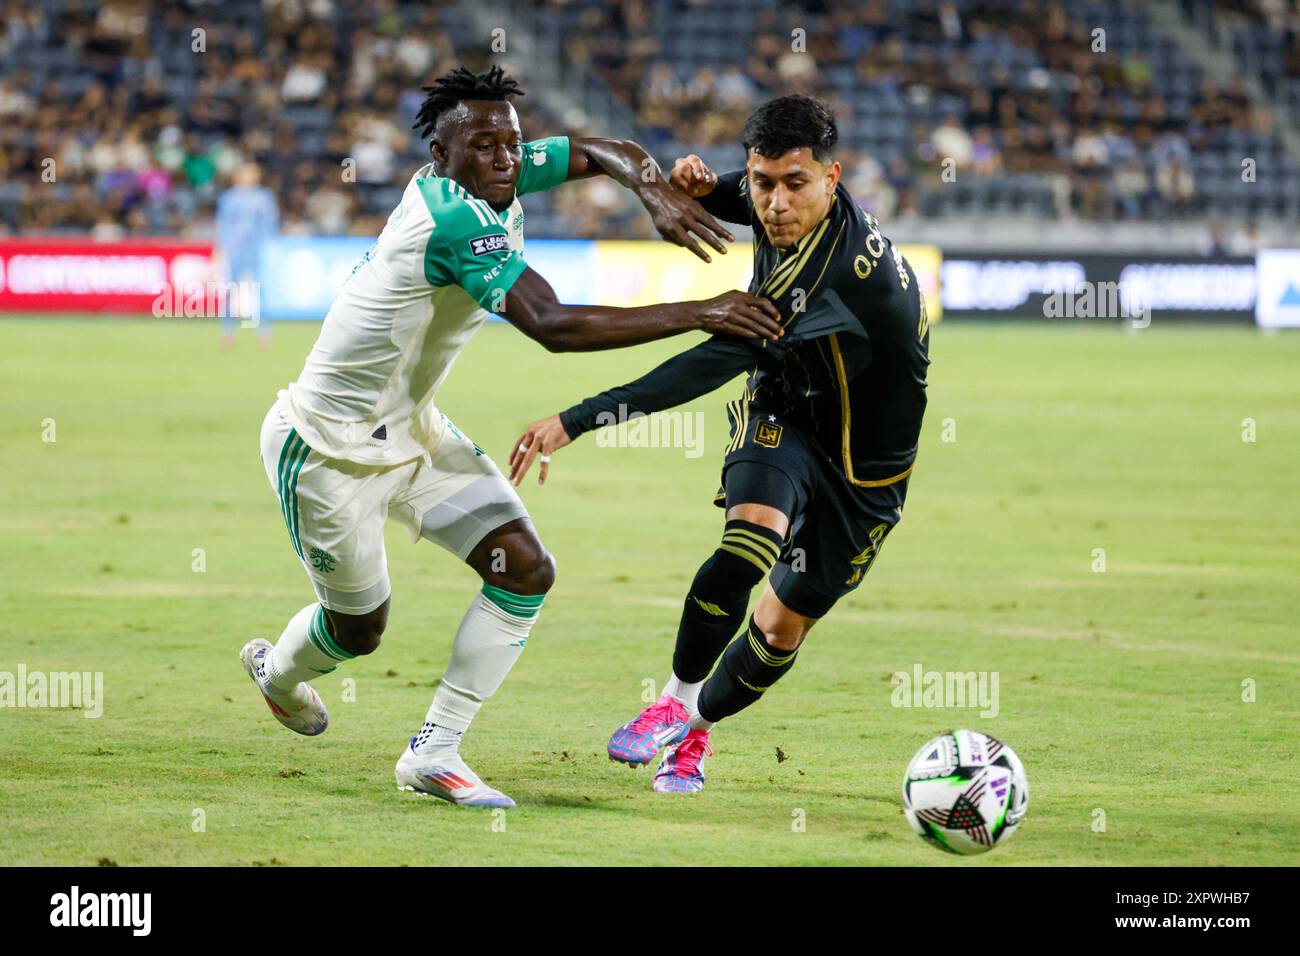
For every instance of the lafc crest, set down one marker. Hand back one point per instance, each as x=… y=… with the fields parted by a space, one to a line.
x=767 y=434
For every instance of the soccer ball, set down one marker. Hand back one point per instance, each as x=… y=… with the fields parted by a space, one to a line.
x=965 y=792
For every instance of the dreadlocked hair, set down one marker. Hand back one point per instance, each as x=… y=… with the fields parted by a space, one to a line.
x=459 y=85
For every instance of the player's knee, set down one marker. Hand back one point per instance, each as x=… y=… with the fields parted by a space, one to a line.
x=540 y=573
x=782 y=632
x=784 y=639
x=513 y=558
x=531 y=570
x=360 y=634
x=775 y=519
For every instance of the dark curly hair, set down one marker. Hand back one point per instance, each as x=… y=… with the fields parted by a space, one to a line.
x=791 y=122
x=460 y=85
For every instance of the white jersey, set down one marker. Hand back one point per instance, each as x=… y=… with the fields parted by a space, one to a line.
x=400 y=320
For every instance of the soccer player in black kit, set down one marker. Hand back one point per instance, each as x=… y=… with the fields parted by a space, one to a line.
x=822 y=440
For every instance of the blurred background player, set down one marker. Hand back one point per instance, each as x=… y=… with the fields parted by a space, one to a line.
x=247 y=216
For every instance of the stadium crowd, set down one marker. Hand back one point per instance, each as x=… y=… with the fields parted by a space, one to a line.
x=128 y=117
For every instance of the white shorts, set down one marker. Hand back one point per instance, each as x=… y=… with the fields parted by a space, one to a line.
x=335 y=510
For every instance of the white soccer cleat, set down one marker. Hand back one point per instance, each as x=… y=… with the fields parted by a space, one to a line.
x=448 y=778
x=301 y=710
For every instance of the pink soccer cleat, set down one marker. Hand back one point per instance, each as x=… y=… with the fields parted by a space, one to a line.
x=682 y=769
x=663 y=723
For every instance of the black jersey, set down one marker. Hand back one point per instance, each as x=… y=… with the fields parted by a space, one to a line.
x=850 y=368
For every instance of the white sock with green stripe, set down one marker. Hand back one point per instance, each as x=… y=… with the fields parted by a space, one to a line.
x=304 y=651
x=489 y=640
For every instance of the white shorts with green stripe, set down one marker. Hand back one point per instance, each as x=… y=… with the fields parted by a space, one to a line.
x=335 y=510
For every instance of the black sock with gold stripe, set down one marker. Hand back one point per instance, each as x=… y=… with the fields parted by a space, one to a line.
x=715 y=606
x=749 y=666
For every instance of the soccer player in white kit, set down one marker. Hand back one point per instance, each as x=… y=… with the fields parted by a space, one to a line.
x=357 y=438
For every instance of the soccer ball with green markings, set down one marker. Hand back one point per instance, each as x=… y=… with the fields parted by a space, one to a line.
x=965 y=792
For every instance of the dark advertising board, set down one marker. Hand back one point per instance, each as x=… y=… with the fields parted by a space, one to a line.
x=1116 y=288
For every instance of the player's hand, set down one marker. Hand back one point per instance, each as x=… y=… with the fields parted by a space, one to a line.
x=692 y=177
x=540 y=438
x=680 y=219
x=739 y=314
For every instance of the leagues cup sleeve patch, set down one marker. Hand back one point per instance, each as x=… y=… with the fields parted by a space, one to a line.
x=485 y=245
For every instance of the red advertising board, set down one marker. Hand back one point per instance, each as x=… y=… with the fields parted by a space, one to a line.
x=77 y=275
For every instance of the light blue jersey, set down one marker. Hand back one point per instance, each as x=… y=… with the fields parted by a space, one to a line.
x=247 y=216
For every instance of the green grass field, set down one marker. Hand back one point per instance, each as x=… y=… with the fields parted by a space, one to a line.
x=1122 y=691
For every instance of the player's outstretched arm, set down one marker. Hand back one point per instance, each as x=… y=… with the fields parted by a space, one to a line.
x=680 y=379
x=676 y=216
x=531 y=306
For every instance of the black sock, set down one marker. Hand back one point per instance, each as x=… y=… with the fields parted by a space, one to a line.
x=749 y=666
x=715 y=605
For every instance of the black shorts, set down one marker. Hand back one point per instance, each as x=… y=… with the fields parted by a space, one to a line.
x=836 y=528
